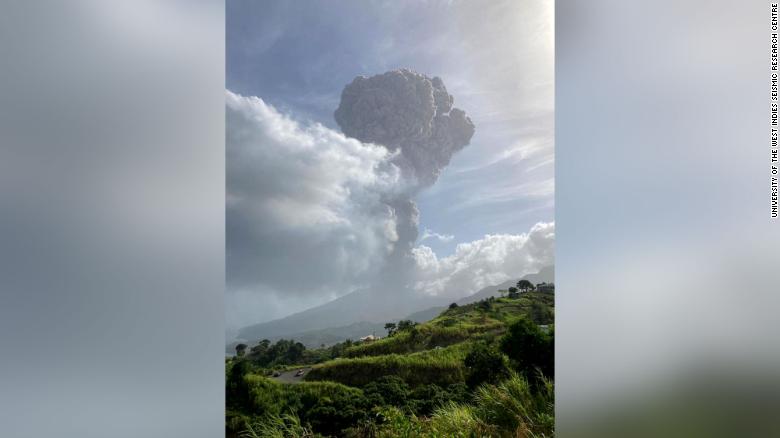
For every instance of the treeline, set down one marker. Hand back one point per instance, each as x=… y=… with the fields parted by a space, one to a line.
x=286 y=352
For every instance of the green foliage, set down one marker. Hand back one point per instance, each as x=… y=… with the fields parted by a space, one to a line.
x=440 y=366
x=510 y=409
x=278 y=426
x=410 y=384
x=453 y=306
x=388 y=390
x=236 y=388
x=541 y=313
x=422 y=400
x=529 y=349
x=406 y=324
x=525 y=285
x=391 y=328
x=514 y=405
x=283 y=352
x=485 y=364
x=325 y=406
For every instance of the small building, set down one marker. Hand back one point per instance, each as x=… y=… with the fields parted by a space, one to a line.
x=545 y=287
x=369 y=338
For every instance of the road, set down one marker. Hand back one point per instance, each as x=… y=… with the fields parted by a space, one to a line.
x=289 y=376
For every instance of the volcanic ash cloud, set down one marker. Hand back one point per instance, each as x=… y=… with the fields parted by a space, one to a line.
x=407 y=112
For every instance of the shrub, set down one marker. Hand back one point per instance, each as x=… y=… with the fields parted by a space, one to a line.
x=514 y=405
x=326 y=406
x=484 y=364
x=529 y=349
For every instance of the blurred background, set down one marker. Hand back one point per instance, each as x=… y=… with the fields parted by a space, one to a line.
x=667 y=259
x=112 y=223
x=112 y=219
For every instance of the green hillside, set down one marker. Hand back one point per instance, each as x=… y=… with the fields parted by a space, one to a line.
x=419 y=378
x=482 y=320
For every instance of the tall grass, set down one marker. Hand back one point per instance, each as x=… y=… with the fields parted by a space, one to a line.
x=515 y=405
x=278 y=426
x=511 y=409
x=424 y=337
x=440 y=366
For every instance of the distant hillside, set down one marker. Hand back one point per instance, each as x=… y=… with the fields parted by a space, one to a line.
x=360 y=306
x=545 y=275
x=332 y=335
x=434 y=351
x=364 y=312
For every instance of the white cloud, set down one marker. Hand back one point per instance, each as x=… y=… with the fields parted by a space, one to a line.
x=488 y=261
x=305 y=208
x=429 y=234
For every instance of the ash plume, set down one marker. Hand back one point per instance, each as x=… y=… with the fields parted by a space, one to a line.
x=413 y=115
x=407 y=112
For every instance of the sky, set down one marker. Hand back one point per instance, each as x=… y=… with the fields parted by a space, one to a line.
x=497 y=60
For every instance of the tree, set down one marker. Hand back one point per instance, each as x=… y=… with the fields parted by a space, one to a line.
x=484 y=364
x=240 y=349
x=454 y=306
x=406 y=324
x=512 y=292
x=236 y=387
x=391 y=328
x=529 y=348
x=525 y=285
x=541 y=313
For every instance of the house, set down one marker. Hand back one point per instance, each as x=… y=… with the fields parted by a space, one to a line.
x=545 y=287
x=369 y=338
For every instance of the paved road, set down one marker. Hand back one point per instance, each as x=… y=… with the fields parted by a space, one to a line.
x=289 y=376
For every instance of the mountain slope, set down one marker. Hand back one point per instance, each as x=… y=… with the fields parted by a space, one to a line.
x=545 y=275
x=366 y=311
x=360 y=306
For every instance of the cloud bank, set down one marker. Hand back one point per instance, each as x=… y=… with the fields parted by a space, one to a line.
x=488 y=261
x=304 y=209
x=312 y=212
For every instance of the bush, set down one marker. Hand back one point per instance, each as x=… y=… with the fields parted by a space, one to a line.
x=484 y=364
x=387 y=390
x=510 y=409
x=236 y=388
x=529 y=349
x=514 y=405
x=326 y=407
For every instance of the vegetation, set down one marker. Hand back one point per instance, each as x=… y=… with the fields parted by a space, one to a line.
x=477 y=370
